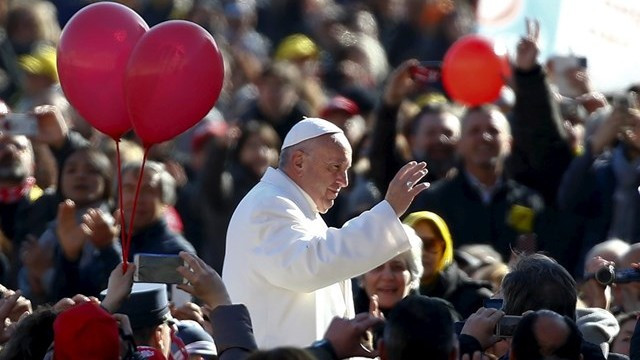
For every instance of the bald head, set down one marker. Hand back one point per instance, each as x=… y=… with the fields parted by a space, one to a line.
x=546 y=334
x=632 y=255
x=551 y=331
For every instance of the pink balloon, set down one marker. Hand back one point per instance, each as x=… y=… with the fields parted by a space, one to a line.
x=173 y=79
x=92 y=57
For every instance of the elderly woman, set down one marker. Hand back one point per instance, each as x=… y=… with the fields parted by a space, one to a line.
x=441 y=277
x=393 y=280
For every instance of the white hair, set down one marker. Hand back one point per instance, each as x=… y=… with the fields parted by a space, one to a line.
x=413 y=257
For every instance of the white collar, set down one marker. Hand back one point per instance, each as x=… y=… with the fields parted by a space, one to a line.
x=277 y=177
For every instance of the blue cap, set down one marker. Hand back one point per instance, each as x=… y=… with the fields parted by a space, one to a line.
x=146 y=306
x=196 y=340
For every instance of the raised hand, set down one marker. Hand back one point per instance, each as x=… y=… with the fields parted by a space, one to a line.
x=102 y=232
x=6 y=307
x=52 y=129
x=205 y=283
x=527 y=49
x=400 y=83
x=71 y=234
x=481 y=324
x=405 y=187
x=119 y=287
x=345 y=335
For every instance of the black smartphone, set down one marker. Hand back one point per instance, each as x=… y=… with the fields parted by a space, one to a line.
x=155 y=268
x=507 y=326
x=493 y=303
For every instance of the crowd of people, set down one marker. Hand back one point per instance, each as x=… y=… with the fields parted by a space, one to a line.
x=331 y=205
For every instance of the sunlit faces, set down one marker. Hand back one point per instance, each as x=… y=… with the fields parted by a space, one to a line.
x=622 y=342
x=390 y=281
x=436 y=136
x=432 y=247
x=322 y=169
x=485 y=139
x=150 y=206
x=81 y=180
x=257 y=154
x=16 y=158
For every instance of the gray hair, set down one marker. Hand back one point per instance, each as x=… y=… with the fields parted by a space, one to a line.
x=413 y=257
x=166 y=182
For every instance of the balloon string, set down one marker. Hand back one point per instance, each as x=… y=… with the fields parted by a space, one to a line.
x=135 y=205
x=122 y=224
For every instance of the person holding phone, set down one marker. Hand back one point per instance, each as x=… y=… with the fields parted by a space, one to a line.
x=602 y=184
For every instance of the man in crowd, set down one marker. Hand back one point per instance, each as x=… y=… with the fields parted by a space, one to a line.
x=284 y=263
x=496 y=208
x=150 y=232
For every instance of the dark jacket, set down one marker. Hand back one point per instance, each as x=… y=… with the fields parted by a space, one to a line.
x=206 y=204
x=158 y=239
x=541 y=150
x=540 y=155
x=512 y=210
x=469 y=345
x=587 y=189
x=233 y=334
x=452 y=284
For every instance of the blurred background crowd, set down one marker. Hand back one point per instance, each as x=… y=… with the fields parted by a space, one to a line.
x=551 y=166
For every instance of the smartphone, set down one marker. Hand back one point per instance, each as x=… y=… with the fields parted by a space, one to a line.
x=493 y=304
x=19 y=124
x=559 y=66
x=155 y=268
x=507 y=326
x=625 y=101
x=427 y=72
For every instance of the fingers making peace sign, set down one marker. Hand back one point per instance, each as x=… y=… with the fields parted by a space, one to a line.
x=527 y=50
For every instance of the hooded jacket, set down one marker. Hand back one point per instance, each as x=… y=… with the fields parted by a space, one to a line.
x=448 y=281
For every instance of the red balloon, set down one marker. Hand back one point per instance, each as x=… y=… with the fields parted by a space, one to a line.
x=173 y=79
x=472 y=72
x=92 y=58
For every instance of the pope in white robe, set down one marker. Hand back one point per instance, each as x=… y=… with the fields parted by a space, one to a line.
x=284 y=263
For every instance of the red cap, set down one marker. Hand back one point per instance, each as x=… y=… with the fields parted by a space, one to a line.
x=340 y=103
x=86 y=331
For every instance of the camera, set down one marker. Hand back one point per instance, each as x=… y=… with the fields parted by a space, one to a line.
x=505 y=328
x=608 y=275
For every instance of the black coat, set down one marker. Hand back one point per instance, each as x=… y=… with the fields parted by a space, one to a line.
x=473 y=222
x=452 y=284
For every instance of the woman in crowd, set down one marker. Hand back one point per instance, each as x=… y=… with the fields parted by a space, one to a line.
x=228 y=174
x=78 y=250
x=442 y=278
x=393 y=280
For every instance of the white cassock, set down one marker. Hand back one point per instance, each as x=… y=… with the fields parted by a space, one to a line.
x=290 y=270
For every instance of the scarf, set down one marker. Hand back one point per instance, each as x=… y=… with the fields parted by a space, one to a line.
x=13 y=194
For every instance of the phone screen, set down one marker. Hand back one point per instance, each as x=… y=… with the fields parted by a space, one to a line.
x=507 y=325
x=493 y=304
x=154 y=268
x=19 y=124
